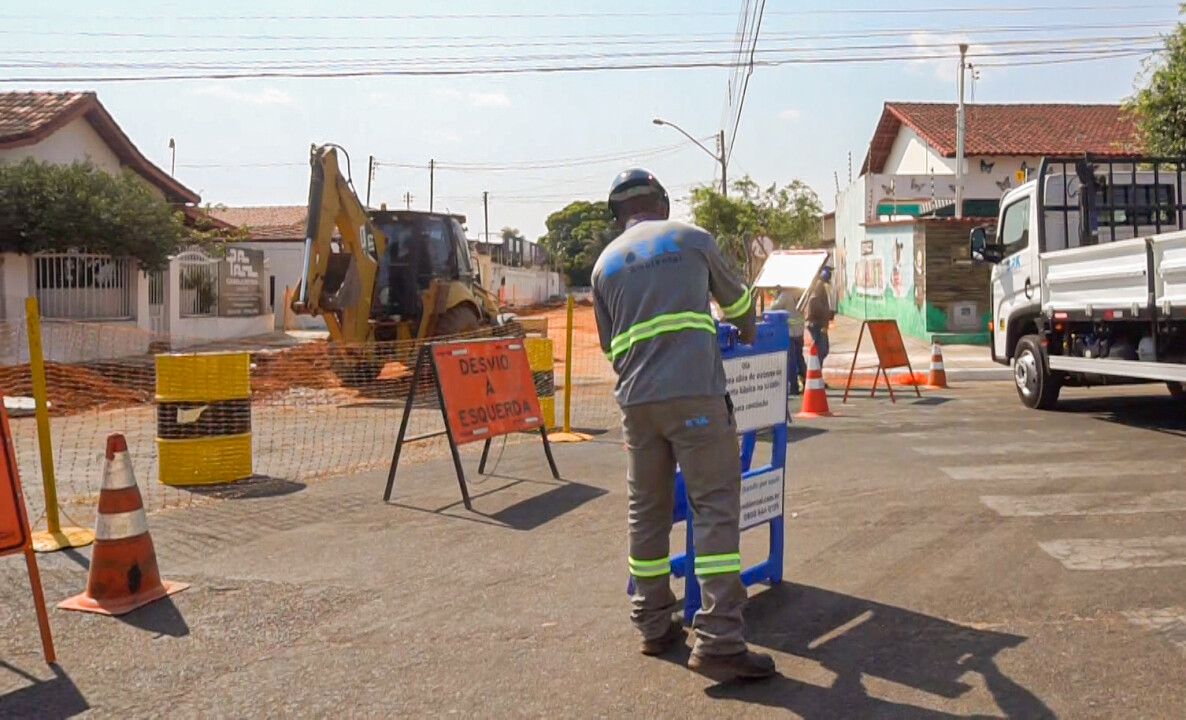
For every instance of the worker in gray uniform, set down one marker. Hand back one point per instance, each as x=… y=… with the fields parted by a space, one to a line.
x=651 y=289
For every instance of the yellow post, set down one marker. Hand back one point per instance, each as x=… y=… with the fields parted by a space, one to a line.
x=566 y=434
x=568 y=370
x=56 y=537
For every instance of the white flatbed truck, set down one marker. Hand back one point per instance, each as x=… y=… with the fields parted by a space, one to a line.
x=1089 y=276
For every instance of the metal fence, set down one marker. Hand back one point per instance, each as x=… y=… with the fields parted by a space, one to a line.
x=83 y=286
x=199 y=284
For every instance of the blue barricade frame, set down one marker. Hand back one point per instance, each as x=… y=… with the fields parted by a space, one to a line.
x=773 y=337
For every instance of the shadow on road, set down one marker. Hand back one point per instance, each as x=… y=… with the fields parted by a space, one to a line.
x=853 y=637
x=55 y=698
x=1148 y=412
x=256 y=486
x=161 y=617
x=799 y=433
x=561 y=498
x=540 y=509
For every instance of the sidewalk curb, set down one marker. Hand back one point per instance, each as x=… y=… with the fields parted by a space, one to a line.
x=993 y=374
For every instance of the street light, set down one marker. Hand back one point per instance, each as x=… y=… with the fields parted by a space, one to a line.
x=721 y=159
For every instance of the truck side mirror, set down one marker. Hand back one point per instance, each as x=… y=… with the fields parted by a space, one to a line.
x=981 y=249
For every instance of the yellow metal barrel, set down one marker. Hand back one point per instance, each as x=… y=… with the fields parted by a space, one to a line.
x=543 y=372
x=203 y=417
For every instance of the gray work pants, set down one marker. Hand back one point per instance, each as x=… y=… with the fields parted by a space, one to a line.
x=700 y=434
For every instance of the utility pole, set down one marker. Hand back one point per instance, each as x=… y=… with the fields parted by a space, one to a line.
x=408 y=200
x=370 y=177
x=486 y=214
x=432 y=170
x=724 y=165
x=960 y=130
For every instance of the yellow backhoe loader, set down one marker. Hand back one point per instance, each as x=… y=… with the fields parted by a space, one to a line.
x=385 y=281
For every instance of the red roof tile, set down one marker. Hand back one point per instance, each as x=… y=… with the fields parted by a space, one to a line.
x=268 y=222
x=27 y=118
x=1032 y=130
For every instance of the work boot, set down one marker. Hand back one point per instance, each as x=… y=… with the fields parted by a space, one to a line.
x=745 y=665
x=663 y=643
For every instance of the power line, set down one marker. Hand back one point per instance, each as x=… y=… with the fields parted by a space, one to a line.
x=988 y=9
x=495 y=41
x=502 y=69
x=727 y=153
x=555 y=163
x=420 y=63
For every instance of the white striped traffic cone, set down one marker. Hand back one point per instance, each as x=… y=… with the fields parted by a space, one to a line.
x=123 y=574
x=937 y=380
x=815 y=397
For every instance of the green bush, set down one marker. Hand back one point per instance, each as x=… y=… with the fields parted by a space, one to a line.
x=64 y=207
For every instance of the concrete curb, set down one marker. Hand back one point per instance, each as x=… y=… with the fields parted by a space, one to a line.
x=992 y=374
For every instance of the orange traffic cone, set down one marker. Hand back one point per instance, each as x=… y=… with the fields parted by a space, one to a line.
x=123 y=574
x=937 y=380
x=815 y=398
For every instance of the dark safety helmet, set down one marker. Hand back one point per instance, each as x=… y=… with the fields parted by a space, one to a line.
x=639 y=185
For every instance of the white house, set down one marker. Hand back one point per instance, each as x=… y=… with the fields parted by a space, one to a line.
x=900 y=253
x=97 y=306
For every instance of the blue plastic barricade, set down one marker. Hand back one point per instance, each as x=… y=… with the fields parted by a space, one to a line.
x=756 y=377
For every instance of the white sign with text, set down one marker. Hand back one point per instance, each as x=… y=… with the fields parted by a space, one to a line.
x=761 y=498
x=758 y=387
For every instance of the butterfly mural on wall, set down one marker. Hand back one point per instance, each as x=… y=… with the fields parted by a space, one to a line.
x=1004 y=184
x=986 y=167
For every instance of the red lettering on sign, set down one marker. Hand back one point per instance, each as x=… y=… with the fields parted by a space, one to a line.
x=488 y=389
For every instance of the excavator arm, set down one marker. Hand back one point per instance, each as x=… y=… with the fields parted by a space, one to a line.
x=338 y=283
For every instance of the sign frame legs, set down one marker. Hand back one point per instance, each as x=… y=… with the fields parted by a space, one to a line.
x=422 y=356
x=543 y=433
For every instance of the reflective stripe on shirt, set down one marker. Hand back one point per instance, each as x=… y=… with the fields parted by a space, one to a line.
x=671 y=322
x=740 y=307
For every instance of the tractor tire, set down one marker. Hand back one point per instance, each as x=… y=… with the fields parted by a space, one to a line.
x=458 y=319
x=1037 y=387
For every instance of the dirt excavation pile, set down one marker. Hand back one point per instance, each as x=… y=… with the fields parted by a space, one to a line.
x=72 y=388
x=305 y=366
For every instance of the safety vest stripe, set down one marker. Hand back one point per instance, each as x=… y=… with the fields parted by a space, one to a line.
x=718 y=564
x=655 y=321
x=649 y=568
x=658 y=326
x=740 y=307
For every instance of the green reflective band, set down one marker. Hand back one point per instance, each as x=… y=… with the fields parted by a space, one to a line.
x=672 y=322
x=649 y=568
x=740 y=307
x=718 y=564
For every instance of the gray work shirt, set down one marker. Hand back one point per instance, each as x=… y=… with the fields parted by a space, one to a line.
x=651 y=289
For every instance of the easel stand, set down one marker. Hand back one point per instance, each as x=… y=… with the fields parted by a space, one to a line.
x=891 y=354
x=530 y=419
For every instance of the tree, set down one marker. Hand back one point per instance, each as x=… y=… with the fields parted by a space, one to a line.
x=576 y=236
x=1160 y=106
x=788 y=215
x=64 y=207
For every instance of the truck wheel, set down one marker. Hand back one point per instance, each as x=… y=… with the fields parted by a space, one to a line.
x=1037 y=387
x=458 y=319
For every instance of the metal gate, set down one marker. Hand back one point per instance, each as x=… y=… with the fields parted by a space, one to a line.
x=158 y=311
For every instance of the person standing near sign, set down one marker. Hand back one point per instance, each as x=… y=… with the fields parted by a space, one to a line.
x=788 y=302
x=651 y=289
x=819 y=315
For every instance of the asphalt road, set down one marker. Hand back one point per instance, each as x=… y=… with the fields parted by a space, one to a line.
x=955 y=557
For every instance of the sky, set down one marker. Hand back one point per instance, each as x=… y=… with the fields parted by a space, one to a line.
x=535 y=141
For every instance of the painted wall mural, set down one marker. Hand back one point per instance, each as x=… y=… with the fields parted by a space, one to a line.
x=885 y=281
